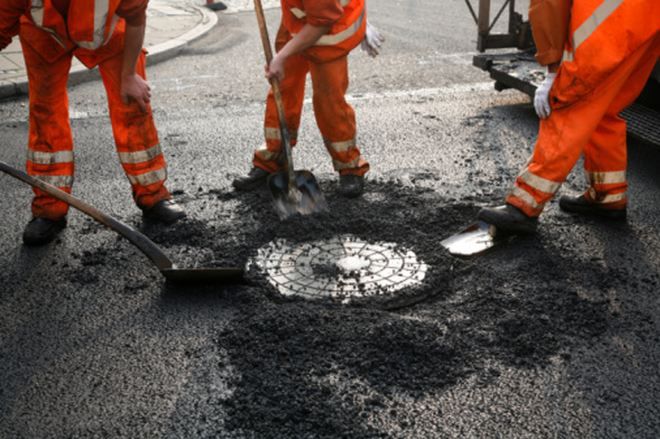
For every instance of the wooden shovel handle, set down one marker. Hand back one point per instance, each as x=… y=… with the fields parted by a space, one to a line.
x=143 y=243
x=275 y=84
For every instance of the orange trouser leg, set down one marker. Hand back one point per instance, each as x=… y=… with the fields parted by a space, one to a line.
x=605 y=155
x=292 y=88
x=335 y=117
x=585 y=126
x=136 y=137
x=50 y=145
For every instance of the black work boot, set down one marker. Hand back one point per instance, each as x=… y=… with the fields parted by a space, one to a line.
x=585 y=207
x=351 y=185
x=165 y=211
x=509 y=219
x=40 y=231
x=255 y=178
x=216 y=6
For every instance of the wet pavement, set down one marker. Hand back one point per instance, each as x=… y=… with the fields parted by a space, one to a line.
x=551 y=336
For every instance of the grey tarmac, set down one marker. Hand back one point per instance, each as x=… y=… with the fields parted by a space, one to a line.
x=550 y=336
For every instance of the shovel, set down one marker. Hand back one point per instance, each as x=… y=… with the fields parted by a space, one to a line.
x=294 y=192
x=475 y=239
x=146 y=246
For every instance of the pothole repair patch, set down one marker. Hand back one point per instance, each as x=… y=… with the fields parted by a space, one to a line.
x=344 y=269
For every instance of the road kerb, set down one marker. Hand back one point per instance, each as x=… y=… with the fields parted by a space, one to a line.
x=155 y=54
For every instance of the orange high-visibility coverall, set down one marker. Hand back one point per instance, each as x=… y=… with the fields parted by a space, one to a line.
x=51 y=33
x=328 y=64
x=607 y=57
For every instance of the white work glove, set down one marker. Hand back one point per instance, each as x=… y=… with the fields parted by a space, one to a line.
x=542 y=96
x=372 y=41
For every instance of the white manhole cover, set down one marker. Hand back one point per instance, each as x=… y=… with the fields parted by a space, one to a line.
x=343 y=268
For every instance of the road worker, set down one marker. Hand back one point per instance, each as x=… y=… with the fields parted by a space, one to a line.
x=104 y=33
x=599 y=55
x=316 y=36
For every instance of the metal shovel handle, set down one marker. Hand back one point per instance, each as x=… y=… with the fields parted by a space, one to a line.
x=143 y=243
x=275 y=85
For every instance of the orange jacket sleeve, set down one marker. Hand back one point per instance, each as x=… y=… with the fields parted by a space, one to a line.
x=10 y=13
x=322 y=12
x=550 y=21
x=133 y=11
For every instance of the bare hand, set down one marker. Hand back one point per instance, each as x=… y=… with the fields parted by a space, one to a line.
x=134 y=88
x=275 y=69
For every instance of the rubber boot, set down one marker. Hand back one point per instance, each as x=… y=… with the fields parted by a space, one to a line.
x=509 y=219
x=351 y=186
x=256 y=177
x=40 y=231
x=583 y=206
x=165 y=211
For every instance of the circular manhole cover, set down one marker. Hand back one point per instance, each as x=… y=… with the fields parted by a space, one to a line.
x=343 y=268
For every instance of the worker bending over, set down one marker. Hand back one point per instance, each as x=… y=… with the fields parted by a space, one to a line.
x=316 y=36
x=599 y=54
x=104 y=33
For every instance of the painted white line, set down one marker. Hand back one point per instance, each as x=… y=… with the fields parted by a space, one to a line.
x=423 y=92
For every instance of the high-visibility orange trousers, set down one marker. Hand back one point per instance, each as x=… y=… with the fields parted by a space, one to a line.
x=591 y=126
x=334 y=116
x=50 y=148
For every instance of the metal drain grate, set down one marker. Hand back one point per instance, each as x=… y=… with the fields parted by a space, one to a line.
x=643 y=122
x=341 y=268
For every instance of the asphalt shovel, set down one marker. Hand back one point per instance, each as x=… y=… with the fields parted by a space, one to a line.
x=294 y=192
x=152 y=251
x=475 y=239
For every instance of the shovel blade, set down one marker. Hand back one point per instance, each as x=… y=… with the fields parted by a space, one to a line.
x=475 y=239
x=305 y=199
x=203 y=275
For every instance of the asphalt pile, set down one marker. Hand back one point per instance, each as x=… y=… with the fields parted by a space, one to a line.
x=380 y=368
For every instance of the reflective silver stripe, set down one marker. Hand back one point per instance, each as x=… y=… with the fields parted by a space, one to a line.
x=266 y=154
x=525 y=196
x=332 y=40
x=148 y=177
x=611 y=198
x=540 y=183
x=37 y=12
x=567 y=56
x=613 y=177
x=340 y=146
x=275 y=134
x=272 y=133
x=140 y=156
x=339 y=166
x=300 y=14
x=49 y=158
x=56 y=180
x=100 y=17
x=113 y=25
x=590 y=24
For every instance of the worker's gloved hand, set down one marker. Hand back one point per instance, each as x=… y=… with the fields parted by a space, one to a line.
x=135 y=88
x=542 y=96
x=372 y=41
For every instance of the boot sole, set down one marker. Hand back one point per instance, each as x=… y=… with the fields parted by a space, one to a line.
x=43 y=240
x=351 y=194
x=514 y=227
x=245 y=187
x=167 y=221
x=580 y=209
